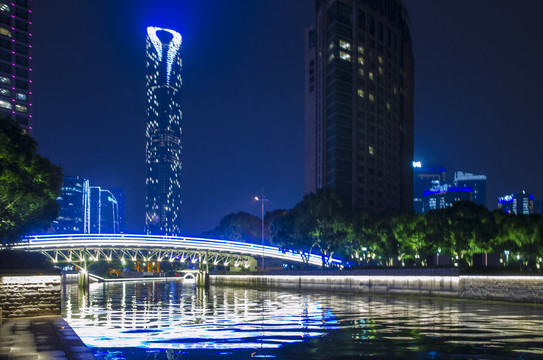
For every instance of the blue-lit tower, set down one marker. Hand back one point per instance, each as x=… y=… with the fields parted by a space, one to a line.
x=163 y=132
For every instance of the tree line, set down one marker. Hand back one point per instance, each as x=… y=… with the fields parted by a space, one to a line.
x=324 y=223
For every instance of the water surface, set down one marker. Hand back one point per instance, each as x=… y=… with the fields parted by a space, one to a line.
x=175 y=320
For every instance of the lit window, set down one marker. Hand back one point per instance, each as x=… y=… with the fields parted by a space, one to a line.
x=380 y=59
x=371 y=97
x=361 y=72
x=345 y=56
x=5 y=92
x=21 y=96
x=388 y=105
x=21 y=108
x=361 y=93
x=371 y=75
x=370 y=149
x=380 y=70
x=4 y=31
x=395 y=90
x=344 y=45
x=361 y=60
x=331 y=57
x=4 y=8
x=360 y=50
x=5 y=104
x=331 y=46
x=5 y=80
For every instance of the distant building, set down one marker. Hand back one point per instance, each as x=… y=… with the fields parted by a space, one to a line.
x=121 y=201
x=74 y=203
x=424 y=177
x=86 y=209
x=475 y=182
x=444 y=196
x=104 y=211
x=163 y=132
x=521 y=202
x=15 y=58
x=359 y=100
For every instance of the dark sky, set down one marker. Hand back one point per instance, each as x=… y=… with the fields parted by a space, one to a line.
x=477 y=101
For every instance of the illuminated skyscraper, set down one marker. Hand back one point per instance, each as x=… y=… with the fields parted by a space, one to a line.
x=15 y=58
x=359 y=102
x=163 y=132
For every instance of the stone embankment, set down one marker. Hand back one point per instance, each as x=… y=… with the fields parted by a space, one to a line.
x=29 y=294
x=420 y=282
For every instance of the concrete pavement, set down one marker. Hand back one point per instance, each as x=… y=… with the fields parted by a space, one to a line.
x=41 y=338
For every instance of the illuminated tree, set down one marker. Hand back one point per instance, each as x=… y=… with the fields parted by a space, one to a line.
x=29 y=184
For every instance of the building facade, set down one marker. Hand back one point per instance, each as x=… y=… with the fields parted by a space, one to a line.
x=475 y=182
x=163 y=132
x=519 y=203
x=444 y=196
x=73 y=217
x=359 y=84
x=15 y=58
x=104 y=211
x=425 y=176
x=86 y=209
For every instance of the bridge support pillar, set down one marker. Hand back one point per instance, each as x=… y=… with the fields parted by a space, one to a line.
x=202 y=279
x=83 y=280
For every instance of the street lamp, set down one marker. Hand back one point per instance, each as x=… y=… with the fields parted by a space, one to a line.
x=262 y=198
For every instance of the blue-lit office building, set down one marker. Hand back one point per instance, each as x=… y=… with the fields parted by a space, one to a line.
x=74 y=205
x=521 y=202
x=86 y=209
x=475 y=182
x=424 y=177
x=444 y=196
x=163 y=132
x=104 y=211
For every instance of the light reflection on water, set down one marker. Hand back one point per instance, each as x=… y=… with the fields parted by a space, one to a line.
x=172 y=320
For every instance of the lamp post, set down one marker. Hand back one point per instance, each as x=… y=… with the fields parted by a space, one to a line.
x=262 y=198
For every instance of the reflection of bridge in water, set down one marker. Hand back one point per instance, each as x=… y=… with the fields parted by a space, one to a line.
x=81 y=248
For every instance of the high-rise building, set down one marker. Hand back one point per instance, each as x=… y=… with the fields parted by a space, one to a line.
x=163 y=132
x=359 y=85
x=15 y=71
x=104 y=211
x=425 y=176
x=86 y=209
x=521 y=202
x=73 y=217
x=475 y=182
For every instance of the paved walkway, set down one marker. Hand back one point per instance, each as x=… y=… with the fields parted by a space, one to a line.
x=41 y=338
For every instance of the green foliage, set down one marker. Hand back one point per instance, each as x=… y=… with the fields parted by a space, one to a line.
x=238 y=227
x=29 y=184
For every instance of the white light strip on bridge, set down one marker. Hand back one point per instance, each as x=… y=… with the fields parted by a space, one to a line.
x=72 y=241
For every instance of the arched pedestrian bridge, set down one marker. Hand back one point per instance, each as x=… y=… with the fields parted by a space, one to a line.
x=80 y=248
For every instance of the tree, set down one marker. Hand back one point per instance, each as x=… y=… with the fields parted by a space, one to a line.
x=285 y=232
x=29 y=184
x=324 y=217
x=239 y=227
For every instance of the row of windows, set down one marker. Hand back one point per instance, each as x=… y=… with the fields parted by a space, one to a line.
x=19 y=36
x=19 y=72
x=18 y=95
x=19 y=48
x=8 y=105
x=20 y=84
x=19 y=24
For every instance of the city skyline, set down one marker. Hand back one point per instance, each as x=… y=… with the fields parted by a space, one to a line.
x=475 y=102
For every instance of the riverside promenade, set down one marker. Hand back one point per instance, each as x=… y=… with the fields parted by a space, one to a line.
x=41 y=338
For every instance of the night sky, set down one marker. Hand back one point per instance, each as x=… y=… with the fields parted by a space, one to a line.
x=478 y=91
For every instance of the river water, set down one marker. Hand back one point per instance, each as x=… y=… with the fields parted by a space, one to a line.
x=175 y=320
